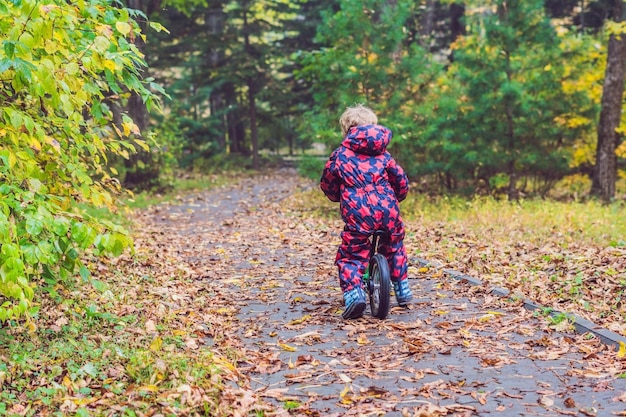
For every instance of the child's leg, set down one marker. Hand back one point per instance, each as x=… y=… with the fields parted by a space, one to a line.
x=395 y=253
x=352 y=258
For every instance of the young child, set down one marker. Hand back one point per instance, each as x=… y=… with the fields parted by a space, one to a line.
x=368 y=183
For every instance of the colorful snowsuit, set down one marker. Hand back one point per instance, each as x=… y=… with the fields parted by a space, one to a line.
x=368 y=183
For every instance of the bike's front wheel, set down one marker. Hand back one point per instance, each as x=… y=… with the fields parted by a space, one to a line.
x=379 y=286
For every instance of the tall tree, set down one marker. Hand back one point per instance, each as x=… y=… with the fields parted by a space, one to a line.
x=605 y=171
x=373 y=59
x=509 y=69
x=228 y=65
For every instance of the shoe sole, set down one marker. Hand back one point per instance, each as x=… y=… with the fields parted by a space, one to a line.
x=404 y=302
x=355 y=311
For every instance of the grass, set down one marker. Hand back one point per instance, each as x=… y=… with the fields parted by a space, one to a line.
x=87 y=345
x=500 y=220
x=527 y=220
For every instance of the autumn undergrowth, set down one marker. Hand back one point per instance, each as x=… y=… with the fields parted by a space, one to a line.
x=124 y=342
x=180 y=184
x=100 y=352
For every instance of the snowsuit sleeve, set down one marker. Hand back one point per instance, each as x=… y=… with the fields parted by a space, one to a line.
x=331 y=182
x=398 y=179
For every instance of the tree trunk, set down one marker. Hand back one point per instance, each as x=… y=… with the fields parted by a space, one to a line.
x=253 y=128
x=136 y=107
x=251 y=97
x=428 y=23
x=605 y=170
x=215 y=21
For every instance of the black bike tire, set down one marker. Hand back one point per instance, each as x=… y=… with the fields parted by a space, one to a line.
x=378 y=263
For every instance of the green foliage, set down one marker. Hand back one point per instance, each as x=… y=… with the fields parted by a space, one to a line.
x=58 y=62
x=503 y=110
x=372 y=60
x=311 y=167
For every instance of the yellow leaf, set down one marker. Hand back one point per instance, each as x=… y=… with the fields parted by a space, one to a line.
x=109 y=64
x=224 y=311
x=372 y=57
x=84 y=401
x=142 y=143
x=496 y=313
x=362 y=339
x=156 y=344
x=123 y=27
x=345 y=398
x=465 y=333
x=622 y=350
x=128 y=127
x=287 y=347
x=150 y=388
x=485 y=318
x=300 y=320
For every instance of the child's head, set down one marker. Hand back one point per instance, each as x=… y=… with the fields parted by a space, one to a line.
x=357 y=116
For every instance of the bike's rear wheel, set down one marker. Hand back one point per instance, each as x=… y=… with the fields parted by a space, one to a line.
x=379 y=286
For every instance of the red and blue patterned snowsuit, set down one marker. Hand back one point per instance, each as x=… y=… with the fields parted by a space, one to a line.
x=368 y=183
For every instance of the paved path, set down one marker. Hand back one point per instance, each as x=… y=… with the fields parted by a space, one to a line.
x=455 y=352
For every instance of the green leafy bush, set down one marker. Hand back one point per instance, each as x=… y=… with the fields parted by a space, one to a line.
x=59 y=63
x=311 y=167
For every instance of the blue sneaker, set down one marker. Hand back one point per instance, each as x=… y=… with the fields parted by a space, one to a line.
x=355 y=303
x=403 y=292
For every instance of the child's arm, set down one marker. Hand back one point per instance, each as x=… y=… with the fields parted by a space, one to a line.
x=330 y=182
x=398 y=179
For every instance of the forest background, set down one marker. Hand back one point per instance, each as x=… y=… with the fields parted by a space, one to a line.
x=483 y=97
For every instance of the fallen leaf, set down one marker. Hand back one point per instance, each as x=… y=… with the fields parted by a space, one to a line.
x=300 y=320
x=546 y=401
x=569 y=402
x=288 y=348
x=156 y=344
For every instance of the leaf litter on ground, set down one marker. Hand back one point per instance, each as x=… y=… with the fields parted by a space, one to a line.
x=167 y=336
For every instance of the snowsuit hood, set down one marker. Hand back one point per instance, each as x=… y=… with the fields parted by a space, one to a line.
x=368 y=139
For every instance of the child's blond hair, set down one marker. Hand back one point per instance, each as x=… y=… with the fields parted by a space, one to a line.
x=356 y=116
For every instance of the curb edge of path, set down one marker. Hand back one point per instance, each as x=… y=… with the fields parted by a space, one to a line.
x=581 y=325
